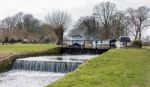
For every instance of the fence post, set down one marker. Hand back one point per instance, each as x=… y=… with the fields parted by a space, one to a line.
x=96 y=44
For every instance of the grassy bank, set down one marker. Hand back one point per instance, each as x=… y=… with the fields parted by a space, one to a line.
x=115 y=68
x=6 y=50
x=10 y=52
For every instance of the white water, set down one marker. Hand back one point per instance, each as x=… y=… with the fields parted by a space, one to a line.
x=61 y=64
x=65 y=58
x=15 y=78
x=24 y=78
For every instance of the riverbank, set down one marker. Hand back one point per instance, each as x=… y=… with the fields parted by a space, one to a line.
x=115 y=68
x=7 y=50
x=8 y=53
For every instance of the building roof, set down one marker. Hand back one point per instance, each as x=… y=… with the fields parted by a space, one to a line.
x=77 y=36
x=124 y=39
x=113 y=40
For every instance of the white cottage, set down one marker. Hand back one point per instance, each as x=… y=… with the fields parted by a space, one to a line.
x=77 y=39
x=124 y=41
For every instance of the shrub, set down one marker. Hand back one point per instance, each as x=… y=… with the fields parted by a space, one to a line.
x=146 y=44
x=137 y=44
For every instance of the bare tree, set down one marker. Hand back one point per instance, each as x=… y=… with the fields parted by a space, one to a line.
x=59 y=22
x=8 y=25
x=18 y=25
x=29 y=22
x=144 y=19
x=31 y=27
x=87 y=27
x=104 y=13
x=140 y=20
x=127 y=25
x=118 y=25
x=18 y=18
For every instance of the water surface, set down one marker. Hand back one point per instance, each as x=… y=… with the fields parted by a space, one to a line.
x=21 y=78
x=27 y=78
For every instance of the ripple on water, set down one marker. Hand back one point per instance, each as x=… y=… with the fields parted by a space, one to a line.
x=15 y=78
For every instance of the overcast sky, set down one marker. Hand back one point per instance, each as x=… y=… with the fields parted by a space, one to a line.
x=77 y=8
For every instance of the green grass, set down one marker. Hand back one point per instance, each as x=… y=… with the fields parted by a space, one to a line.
x=115 y=68
x=6 y=50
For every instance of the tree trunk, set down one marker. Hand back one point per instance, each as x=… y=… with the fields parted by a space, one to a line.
x=140 y=32
x=107 y=32
x=59 y=33
x=140 y=36
x=136 y=35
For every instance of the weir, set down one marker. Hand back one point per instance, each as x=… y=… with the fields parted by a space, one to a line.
x=40 y=71
x=62 y=64
x=52 y=66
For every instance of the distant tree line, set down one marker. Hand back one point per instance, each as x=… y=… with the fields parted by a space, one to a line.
x=107 y=22
x=25 y=28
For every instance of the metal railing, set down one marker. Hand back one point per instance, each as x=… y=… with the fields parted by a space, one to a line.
x=97 y=44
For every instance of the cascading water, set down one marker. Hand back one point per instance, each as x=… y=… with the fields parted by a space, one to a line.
x=51 y=66
x=40 y=71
